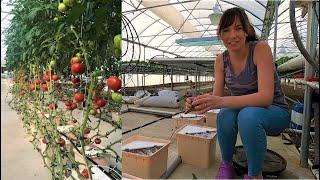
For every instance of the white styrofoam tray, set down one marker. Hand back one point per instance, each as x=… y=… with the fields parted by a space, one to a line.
x=214 y=111
x=188 y=115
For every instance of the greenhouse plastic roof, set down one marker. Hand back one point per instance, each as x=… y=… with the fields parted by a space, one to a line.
x=151 y=27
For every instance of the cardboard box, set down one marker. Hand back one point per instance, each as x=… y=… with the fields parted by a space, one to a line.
x=196 y=150
x=182 y=119
x=143 y=166
x=211 y=118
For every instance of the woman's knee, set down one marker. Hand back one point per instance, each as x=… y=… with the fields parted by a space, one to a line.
x=226 y=117
x=249 y=118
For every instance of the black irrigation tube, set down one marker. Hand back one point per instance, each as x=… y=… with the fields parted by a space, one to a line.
x=147 y=124
x=110 y=175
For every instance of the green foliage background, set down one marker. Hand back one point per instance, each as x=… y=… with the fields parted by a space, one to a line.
x=39 y=33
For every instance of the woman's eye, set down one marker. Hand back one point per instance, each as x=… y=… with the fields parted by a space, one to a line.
x=225 y=30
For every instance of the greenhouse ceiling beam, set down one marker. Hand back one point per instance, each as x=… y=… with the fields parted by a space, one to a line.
x=144 y=45
x=260 y=4
x=190 y=14
x=268 y=20
x=151 y=7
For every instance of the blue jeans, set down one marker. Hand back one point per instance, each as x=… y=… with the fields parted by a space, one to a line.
x=254 y=123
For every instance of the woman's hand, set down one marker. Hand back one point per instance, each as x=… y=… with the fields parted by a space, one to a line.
x=206 y=102
x=188 y=104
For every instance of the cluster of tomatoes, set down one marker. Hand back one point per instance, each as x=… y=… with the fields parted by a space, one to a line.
x=61 y=141
x=114 y=83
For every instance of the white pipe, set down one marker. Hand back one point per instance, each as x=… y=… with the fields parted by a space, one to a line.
x=296 y=63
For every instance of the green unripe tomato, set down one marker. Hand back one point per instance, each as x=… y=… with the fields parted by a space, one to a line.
x=117 y=41
x=116 y=97
x=97 y=73
x=79 y=55
x=117 y=52
x=62 y=7
x=52 y=63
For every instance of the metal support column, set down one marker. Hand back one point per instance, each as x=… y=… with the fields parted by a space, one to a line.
x=137 y=79
x=312 y=30
x=171 y=78
x=196 y=81
x=316 y=137
x=275 y=31
x=199 y=86
x=163 y=75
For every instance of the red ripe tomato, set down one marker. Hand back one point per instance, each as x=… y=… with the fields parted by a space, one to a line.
x=75 y=60
x=100 y=102
x=69 y=108
x=32 y=87
x=114 y=83
x=85 y=173
x=77 y=68
x=77 y=84
x=22 y=92
x=79 y=97
x=37 y=81
x=44 y=140
x=75 y=80
x=44 y=87
x=53 y=106
x=46 y=77
x=62 y=142
x=55 y=77
x=74 y=106
x=67 y=103
x=97 y=141
x=313 y=78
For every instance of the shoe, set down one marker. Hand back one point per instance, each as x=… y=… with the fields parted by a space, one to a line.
x=226 y=171
x=247 y=177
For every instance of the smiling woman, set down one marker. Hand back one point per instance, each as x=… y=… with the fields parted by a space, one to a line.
x=256 y=106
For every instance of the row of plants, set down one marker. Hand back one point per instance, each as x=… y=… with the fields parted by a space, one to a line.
x=65 y=57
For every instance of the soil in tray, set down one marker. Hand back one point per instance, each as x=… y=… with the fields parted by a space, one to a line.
x=206 y=134
x=144 y=151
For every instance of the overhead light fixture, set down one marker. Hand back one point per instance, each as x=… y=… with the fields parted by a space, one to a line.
x=216 y=15
x=202 y=41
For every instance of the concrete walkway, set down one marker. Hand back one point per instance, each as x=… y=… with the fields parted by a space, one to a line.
x=19 y=160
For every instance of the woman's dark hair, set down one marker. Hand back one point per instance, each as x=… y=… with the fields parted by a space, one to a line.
x=230 y=15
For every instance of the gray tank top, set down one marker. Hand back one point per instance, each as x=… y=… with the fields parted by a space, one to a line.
x=247 y=81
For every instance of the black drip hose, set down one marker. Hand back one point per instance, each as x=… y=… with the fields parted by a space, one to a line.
x=147 y=124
